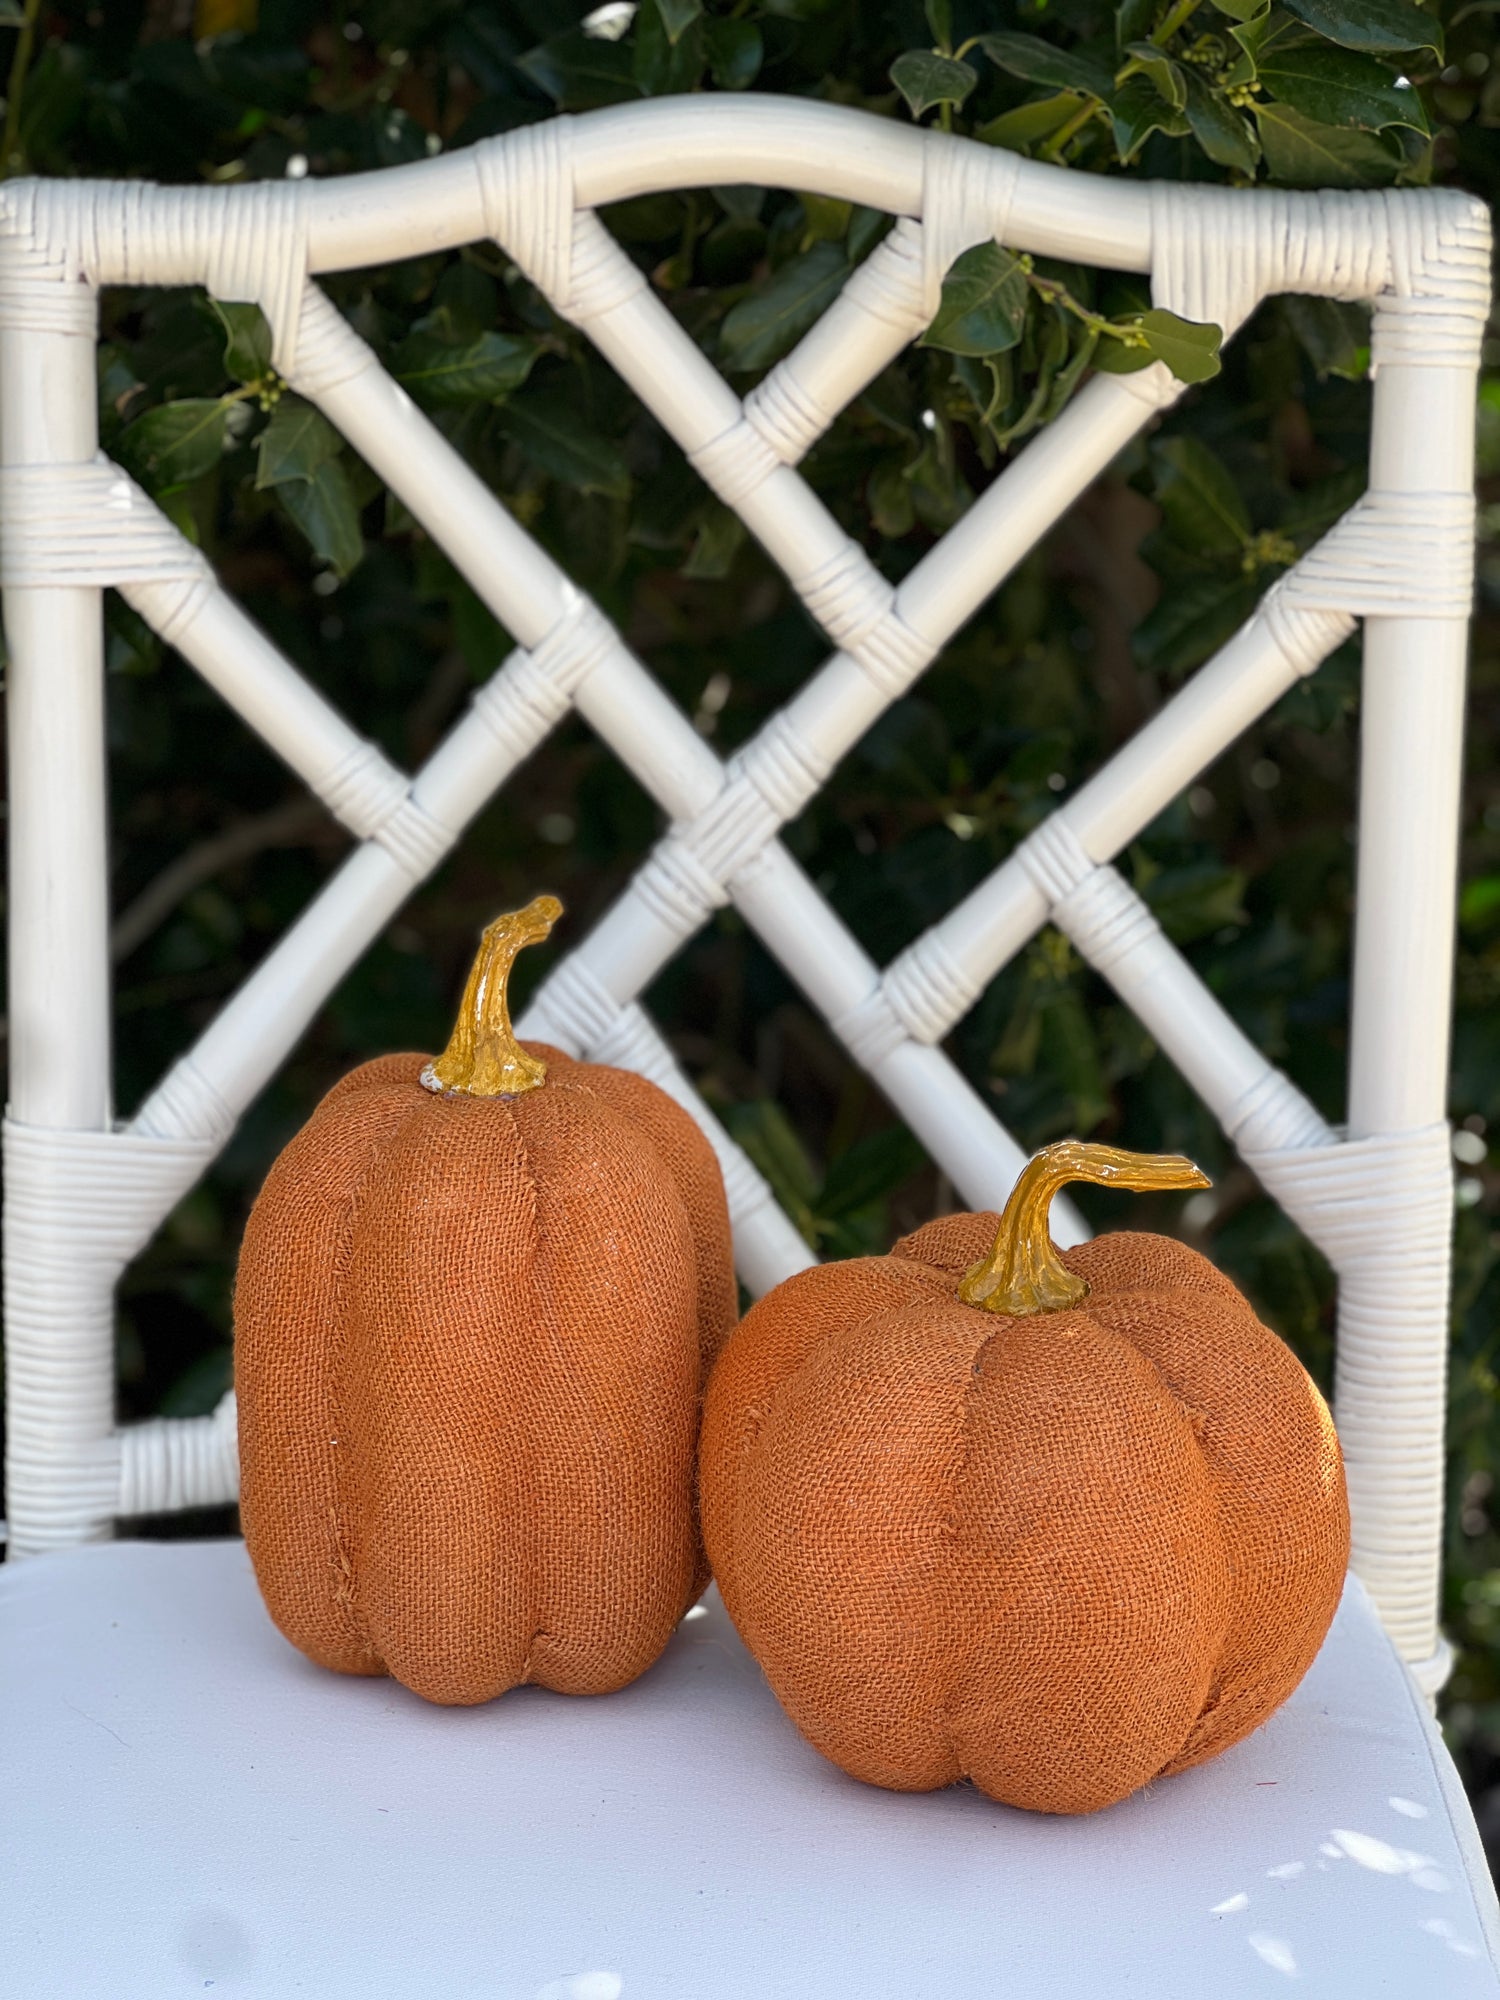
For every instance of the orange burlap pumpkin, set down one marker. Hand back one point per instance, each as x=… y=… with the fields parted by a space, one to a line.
x=472 y=1326
x=1059 y=1547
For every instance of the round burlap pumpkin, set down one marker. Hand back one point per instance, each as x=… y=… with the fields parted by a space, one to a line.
x=1056 y=1522
x=476 y=1304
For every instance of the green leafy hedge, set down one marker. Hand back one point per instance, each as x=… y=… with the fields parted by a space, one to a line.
x=1250 y=872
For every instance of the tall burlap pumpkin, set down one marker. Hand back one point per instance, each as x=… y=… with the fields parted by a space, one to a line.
x=476 y=1305
x=1056 y=1522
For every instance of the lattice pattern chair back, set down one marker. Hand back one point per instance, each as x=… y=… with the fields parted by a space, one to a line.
x=84 y=1196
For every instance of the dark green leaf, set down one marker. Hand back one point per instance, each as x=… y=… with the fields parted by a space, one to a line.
x=1198 y=496
x=677 y=16
x=247 y=340
x=1085 y=346
x=199 y=1388
x=1138 y=109
x=1020 y=129
x=983 y=306
x=482 y=371
x=1391 y=26
x=1340 y=87
x=1241 y=10
x=761 y=328
x=940 y=22
x=925 y=79
x=578 y=73
x=718 y=541
x=1042 y=62
x=735 y=53
x=1263 y=26
x=1162 y=71
x=767 y=1135
x=175 y=442
x=1133 y=19
x=1479 y=902
x=1192 y=620
x=1313 y=510
x=295 y=443
x=324 y=508
x=661 y=63
x=869 y=1170
x=866 y=227
x=1189 y=349
x=1301 y=153
x=827 y=219
x=1196 y=899
x=557 y=436
x=890 y=501
x=1225 y=134
x=1334 y=335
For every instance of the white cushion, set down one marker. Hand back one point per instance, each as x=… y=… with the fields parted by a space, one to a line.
x=187 y=1804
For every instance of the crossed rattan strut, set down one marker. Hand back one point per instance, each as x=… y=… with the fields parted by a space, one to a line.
x=85 y=1196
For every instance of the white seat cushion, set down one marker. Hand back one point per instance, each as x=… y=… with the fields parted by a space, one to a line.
x=189 y=1805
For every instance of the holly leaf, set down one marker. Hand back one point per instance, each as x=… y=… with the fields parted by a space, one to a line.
x=175 y=442
x=325 y=510
x=1197 y=495
x=1163 y=72
x=1021 y=128
x=479 y=371
x=556 y=436
x=1225 y=134
x=983 y=306
x=1390 y=26
x=1040 y=62
x=294 y=444
x=761 y=328
x=925 y=79
x=1138 y=109
x=1189 y=348
x=247 y=340
x=1340 y=87
x=1302 y=153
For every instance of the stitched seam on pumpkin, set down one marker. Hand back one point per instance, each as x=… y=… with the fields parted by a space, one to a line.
x=346 y=1491
x=1196 y=1418
x=535 y=1239
x=942 y=1582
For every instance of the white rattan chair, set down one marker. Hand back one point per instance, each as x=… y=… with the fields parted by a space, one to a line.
x=187 y=1803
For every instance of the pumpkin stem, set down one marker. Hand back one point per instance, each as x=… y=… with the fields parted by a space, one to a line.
x=483 y=1057
x=1024 y=1273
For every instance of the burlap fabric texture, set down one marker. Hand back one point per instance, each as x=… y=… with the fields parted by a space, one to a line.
x=471 y=1336
x=1060 y=1555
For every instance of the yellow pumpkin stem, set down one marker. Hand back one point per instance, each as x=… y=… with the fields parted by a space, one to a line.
x=483 y=1057
x=1023 y=1273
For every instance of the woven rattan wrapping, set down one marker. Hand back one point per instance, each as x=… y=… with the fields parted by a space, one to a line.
x=470 y=1341
x=1060 y=1554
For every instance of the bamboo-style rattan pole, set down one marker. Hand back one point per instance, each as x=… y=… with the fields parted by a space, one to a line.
x=59 y=1318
